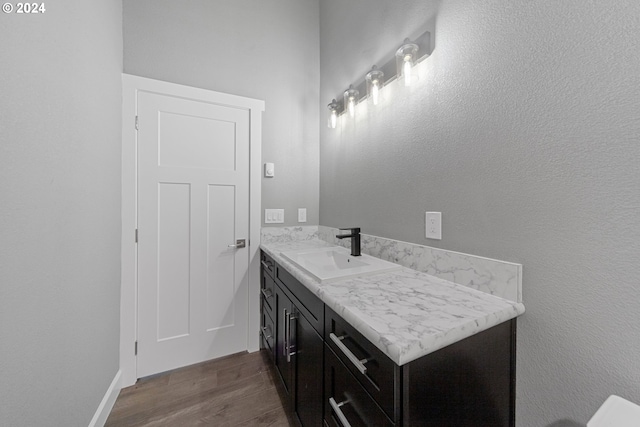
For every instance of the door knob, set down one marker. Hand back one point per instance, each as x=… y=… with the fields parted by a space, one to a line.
x=240 y=243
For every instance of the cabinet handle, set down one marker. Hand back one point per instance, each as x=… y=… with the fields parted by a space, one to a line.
x=264 y=332
x=266 y=293
x=285 y=350
x=292 y=316
x=336 y=408
x=267 y=265
x=352 y=357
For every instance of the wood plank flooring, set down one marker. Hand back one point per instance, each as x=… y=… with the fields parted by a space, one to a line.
x=236 y=390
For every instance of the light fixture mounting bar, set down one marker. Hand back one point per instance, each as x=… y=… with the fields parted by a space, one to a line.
x=389 y=68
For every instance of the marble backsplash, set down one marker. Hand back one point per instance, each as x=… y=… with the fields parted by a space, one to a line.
x=500 y=278
x=288 y=234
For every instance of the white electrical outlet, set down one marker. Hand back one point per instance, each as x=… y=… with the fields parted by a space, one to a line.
x=433 y=225
x=274 y=216
x=302 y=214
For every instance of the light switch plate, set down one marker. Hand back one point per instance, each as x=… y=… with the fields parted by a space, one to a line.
x=302 y=214
x=433 y=225
x=274 y=216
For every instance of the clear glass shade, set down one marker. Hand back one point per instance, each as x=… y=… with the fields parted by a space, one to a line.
x=405 y=60
x=333 y=114
x=375 y=82
x=350 y=100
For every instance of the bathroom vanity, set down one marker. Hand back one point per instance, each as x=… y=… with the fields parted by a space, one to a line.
x=346 y=355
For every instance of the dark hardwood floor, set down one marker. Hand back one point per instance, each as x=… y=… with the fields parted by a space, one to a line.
x=236 y=390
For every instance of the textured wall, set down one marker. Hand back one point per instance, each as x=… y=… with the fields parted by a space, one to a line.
x=59 y=211
x=524 y=131
x=264 y=50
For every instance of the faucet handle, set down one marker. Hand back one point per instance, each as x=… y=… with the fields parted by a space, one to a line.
x=352 y=229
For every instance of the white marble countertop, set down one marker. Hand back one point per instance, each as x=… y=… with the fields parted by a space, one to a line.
x=406 y=314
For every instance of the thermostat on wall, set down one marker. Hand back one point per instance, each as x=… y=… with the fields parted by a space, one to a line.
x=269 y=170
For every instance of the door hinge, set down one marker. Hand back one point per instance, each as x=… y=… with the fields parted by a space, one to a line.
x=136 y=349
x=136 y=122
x=136 y=235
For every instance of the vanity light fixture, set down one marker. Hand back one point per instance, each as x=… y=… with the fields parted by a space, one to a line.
x=333 y=114
x=350 y=99
x=406 y=57
x=375 y=81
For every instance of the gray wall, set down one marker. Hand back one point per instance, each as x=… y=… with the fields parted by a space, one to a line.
x=525 y=134
x=59 y=211
x=265 y=50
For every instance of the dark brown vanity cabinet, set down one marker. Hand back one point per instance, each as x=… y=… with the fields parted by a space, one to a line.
x=335 y=376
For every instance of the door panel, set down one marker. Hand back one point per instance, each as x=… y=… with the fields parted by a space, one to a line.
x=173 y=260
x=186 y=141
x=220 y=274
x=193 y=196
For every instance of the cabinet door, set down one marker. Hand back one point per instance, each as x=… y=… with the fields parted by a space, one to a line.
x=283 y=312
x=308 y=347
x=469 y=383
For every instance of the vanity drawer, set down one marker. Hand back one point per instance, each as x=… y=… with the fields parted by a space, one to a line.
x=268 y=264
x=268 y=290
x=306 y=301
x=346 y=400
x=267 y=331
x=377 y=373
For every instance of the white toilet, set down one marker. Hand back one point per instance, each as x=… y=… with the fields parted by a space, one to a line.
x=616 y=412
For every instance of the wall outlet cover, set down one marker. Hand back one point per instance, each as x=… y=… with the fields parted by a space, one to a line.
x=302 y=214
x=433 y=225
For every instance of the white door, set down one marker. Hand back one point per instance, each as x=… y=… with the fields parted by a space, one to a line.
x=193 y=197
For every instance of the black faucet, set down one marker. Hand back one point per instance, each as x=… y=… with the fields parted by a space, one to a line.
x=355 y=239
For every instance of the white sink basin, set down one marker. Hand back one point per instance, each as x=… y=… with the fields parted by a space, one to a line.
x=335 y=263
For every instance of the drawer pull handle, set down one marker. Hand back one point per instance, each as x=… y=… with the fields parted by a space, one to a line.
x=338 y=411
x=267 y=265
x=264 y=332
x=267 y=293
x=352 y=357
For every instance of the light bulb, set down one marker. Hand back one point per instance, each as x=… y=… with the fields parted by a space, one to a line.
x=375 y=91
x=333 y=114
x=405 y=57
x=375 y=81
x=333 y=119
x=406 y=70
x=350 y=98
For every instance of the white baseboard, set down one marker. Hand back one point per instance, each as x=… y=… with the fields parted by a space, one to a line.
x=103 y=411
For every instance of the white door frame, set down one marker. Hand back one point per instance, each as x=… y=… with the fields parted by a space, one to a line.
x=131 y=85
